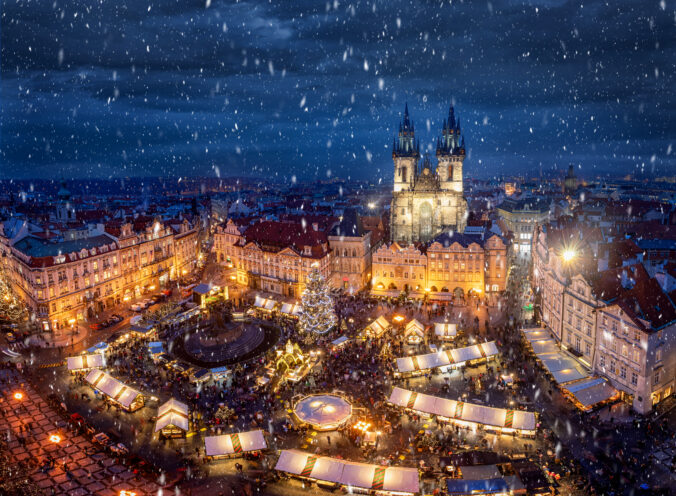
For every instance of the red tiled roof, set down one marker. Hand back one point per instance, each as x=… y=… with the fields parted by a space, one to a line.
x=276 y=236
x=641 y=298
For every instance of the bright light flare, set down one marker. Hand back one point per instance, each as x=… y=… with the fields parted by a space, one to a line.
x=569 y=255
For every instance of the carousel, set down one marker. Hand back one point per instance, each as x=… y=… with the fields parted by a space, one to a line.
x=323 y=412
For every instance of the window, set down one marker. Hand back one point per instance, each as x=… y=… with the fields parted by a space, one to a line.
x=634 y=378
x=625 y=352
x=656 y=378
x=637 y=354
x=658 y=355
x=587 y=349
x=623 y=372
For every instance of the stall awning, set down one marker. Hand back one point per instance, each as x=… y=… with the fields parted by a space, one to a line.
x=446 y=357
x=378 y=327
x=111 y=387
x=592 y=391
x=340 y=341
x=240 y=442
x=415 y=326
x=264 y=303
x=536 y=334
x=445 y=330
x=292 y=309
x=98 y=347
x=562 y=367
x=85 y=362
x=141 y=329
x=173 y=413
x=476 y=486
x=156 y=347
x=468 y=412
x=544 y=346
x=361 y=475
x=219 y=371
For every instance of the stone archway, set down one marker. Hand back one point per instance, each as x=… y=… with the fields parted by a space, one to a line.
x=458 y=292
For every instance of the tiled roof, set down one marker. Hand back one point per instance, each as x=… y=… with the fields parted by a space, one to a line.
x=276 y=236
x=639 y=295
x=42 y=252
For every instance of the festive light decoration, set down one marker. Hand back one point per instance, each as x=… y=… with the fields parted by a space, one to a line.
x=11 y=306
x=316 y=310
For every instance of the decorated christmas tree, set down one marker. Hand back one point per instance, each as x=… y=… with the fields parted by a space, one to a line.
x=316 y=309
x=11 y=306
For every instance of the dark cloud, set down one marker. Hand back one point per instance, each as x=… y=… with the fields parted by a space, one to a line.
x=303 y=88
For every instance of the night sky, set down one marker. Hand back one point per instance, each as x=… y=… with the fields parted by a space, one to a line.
x=317 y=89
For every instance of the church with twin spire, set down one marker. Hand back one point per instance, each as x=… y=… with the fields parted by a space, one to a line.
x=427 y=200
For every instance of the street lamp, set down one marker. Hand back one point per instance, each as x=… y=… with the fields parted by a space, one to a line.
x=569 y=255
x=18 y=396
x=55 y=438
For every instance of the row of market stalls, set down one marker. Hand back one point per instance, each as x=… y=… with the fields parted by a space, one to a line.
x=584 y=391
x=414 y=331
x=83 y=363
x=417 y=364
x=364 y=476
x=466 y=415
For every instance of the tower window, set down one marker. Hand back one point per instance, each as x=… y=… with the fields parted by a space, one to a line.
x=403 y=174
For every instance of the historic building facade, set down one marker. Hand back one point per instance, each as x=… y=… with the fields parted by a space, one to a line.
x=273 y=256
x=66 y=282
x=451 y=264
x=427 y=200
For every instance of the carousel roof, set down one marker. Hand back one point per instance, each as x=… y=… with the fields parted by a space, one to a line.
x=323 y=410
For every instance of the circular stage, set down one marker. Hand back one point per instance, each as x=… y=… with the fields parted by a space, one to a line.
x=215 y=343
x=324 y=412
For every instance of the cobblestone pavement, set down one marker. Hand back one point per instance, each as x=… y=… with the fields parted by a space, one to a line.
x=79 y=468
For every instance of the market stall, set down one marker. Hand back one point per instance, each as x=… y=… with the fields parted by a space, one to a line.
x=264 y=304
x=586 y=394
x=117 y=393
x=82 y=363
x=466 y=414
x=377 y=328
x=290 y=310
x=172 y=419
x=234 y=445
x=339 y=343
x=445 y=331
x=417 y=364
x=414 y=332
x=364 y=476
x=324 y=412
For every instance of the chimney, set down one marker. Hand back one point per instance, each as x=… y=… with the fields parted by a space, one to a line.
x=627 y=282
x=315 y=226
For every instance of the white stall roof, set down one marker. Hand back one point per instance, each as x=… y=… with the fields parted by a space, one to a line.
x=445 y=329
x=378 y=326
x=361 y=475
x=264 y=303
x=544 y=346
x=469 y=412
x=173 y=412
x=240 y=442
x=290 y=309
x=415 y=326
x=446 y=357
x=592 y=392
x=111 y=387
x=323 y=409
x=84 y=362
x=536 y=334
x=340 y=341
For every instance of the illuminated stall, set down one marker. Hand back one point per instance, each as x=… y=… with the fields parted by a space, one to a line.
x=234 y=445
x=172 y=419
x=82 y=363
x=324 y=412
x=355 y=477
x=117 y=393
x=445 y=331
x=418 y=364
x=377 y=328
x=414 y=333
x=467 y=415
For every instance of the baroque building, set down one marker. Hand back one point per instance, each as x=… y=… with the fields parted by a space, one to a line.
x=427 y=201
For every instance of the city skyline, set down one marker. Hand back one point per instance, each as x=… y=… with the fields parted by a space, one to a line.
x=319 y=91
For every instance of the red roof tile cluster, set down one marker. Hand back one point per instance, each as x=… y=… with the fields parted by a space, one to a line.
x=275 y=236
x=639 y=295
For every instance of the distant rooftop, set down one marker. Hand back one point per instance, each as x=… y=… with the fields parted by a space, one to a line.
x=38 y=248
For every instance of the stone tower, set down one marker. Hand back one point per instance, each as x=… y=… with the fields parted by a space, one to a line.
x=427 y=200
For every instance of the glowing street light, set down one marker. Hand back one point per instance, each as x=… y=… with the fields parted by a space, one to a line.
x=55 y=438
x=398 y=318
x=126 y=492
x=18 y=396
x=569 y=255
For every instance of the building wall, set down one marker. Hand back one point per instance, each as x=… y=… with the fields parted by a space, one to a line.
x=522 y=224
x=640 y=364
x=284 y=272
x=442 y=270
x=351 y=261
x=448 y=210
x=579 y=319
x=71 y=291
